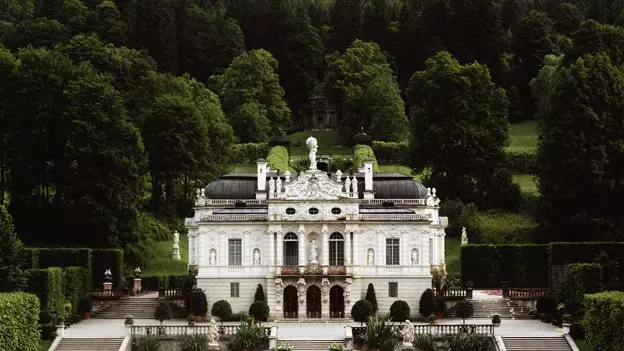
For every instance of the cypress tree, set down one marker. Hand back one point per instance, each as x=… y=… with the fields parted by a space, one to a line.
x=260 y=294
x=371 y=297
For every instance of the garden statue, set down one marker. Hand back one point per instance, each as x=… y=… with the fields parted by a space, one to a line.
x=464 y=236
x=271 y=185
x=213 y=258
x=213 y=335
x=407 y=332
x=354 y=185
x=313 y=146
x=371 y=257
x=256 y=257
x=348 y=185
x=278 y=185
x=414 y=257
x=176 y=246
x=313 y=252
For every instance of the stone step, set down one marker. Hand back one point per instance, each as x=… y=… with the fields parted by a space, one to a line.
x=536 y=344
x=139 y=308
x=84 y=344
x=310 y=345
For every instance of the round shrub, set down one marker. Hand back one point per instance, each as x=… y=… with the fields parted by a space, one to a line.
x=361 y=310
x=464 y=309
x=427 y=305
x=196 y=302
x=399 y=311
x=546 y=304
x=259 y=310
x=221 y=309
x=163 y=311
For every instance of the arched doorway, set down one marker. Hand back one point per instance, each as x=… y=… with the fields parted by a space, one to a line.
x=291 y=304
x=313 y=302
x=336 y=302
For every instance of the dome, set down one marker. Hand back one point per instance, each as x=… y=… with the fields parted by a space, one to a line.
x=362 y=138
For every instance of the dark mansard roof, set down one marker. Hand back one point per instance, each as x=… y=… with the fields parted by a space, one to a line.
x=386 y=186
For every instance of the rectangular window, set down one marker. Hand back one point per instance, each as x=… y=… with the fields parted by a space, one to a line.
x=392 y=252
x=234 y=289
x=393 y=289
x=235 y=252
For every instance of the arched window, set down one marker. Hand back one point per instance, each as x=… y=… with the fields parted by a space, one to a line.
x=291 y=249
x=336 y=249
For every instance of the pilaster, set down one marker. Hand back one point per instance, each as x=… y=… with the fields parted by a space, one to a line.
x=269 y=257
x=279 y=247
x=302 y=246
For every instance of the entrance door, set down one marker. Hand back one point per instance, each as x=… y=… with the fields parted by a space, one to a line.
x=291 y=303
x=336 y=302
x=314 y=302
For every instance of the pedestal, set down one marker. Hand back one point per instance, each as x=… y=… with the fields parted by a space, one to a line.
x=176 y=254
x=213 y=346
x=108 y=286
x=60 y=330
x=405 y=346
x=137 y=285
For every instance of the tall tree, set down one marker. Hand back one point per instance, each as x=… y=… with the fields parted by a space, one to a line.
x=461 y=140
x=580 y=155
x=110 y=26
x=363 y=86
x=12 y=277
x=346 y=23
x=157 y=32
x=593 y=37
x=251 y=96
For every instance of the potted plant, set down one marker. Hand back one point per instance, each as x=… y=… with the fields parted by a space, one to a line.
x=567 y=322
x=248 y=336
x=190 y=319
x=380 y=332
x=431 y=319
x=129 y=320
x=496 y=319
x=163 y=311
x=336 y=347
x=284 y=347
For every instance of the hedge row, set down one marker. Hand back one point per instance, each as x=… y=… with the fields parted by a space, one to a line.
x=19 y=322
x=47 y=284
x=249 y=152
x=580 y=279
x=521 y=162
x=362 y=153
x=603 y=320
x=278 y=159
x=564 y=253
x=76 y=283
x=523 y=266
x=391 y=152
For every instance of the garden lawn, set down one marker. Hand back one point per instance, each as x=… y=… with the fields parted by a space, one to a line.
x=506 y=228
x=161 y=262
x=451 y=255
x=245 y=168
x=324 y=138
x=523 y=136
x=527 y=183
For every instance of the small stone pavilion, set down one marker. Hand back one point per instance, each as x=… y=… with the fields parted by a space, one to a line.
x=319 y=113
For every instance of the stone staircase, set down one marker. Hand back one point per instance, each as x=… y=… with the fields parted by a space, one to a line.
x=486 y=308
x=84 y=344
x=536 y=344
x=142 y=308
x=310 y=345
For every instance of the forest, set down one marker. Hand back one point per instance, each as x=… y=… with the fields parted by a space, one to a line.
x=113 y=112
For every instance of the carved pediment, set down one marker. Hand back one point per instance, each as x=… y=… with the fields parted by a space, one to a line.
x=313 y=185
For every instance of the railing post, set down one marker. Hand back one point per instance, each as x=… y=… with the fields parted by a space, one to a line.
x=273 y=338
x=349 y=338
x=469 y=293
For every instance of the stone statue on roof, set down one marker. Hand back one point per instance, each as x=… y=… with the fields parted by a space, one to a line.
x=312 y=144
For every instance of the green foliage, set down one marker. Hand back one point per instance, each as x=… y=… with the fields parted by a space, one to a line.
x=399 y=311
x=362 y=84
x=461 y=215
x=363 y=153
x=546 y=304
x=371 y=296
x=19 y=315
x=103 y=259
x=195 y=342
x=424 y=342
x=603 y=320
x=146 y=343
x=259 y=310
x=391 y=152
x=468 y=342
x=76 y=284
x=278 y=159
x=462 y=140
x=12 y=277
x=574 y=167
x=345 y=22
x=521 y=162
x=64 y=257
x=523 y=265
x=378 y=331
x=163 y=311
x=523 y=136
x=85 y=305
x=249 y=152
x=47 y=284
x=361 y=310
x=505 y=228
x=153 y=228
x=221 y=309
x=249 y=335
x=259 y=296
x=427 y=304
x=197 y=303
x=463 y=310
x=593 y=38
x=580 y=279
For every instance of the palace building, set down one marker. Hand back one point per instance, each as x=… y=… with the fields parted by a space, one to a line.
x=315 y=240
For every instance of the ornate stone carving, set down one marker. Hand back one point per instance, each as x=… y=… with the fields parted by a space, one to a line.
x=313 y=185
x=313 y=146
x=407 y=332
x=213 y=332
x=301 y=289
x=464 y=236
x=313 y=252
x=347 y=290
x=414 y=257
x=325 y=289
x=279 y=292
x=370 y=260
x=212 y=259
x=256 y=257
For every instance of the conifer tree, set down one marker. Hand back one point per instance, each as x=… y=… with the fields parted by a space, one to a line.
x=12 y=278
x=371 y=297
x=259 y=294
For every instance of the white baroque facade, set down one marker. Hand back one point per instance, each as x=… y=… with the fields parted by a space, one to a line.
x=316 y=240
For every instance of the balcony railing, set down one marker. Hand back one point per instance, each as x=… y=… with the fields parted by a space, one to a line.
x=185 y=330
x=454 y=293
x=106 y=294
x=441 y=329
x=400 y=202
x=229 y=203
x=234 y=218
x=396 y=217
x=171 y=293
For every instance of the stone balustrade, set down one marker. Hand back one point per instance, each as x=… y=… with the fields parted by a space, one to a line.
x=395 y=217
x=524 y=292
x=454 y=293
x=173 y=330
x=439 y=329
x=171 y=293
x=234 y=218
x=400 y=202
x=106 y=294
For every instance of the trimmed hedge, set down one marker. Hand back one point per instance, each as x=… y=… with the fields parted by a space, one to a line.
x=104 y=259
x=47 y=284
x=524 y=266
x=580 y=279
x=603 y=320
x=249 y=152
x=278 y=159
x=30 y=257
x=19 y=322
x=65 y=257
x=390 y=152
x=76 y=283
x=564 y=253
x=362 y=153
x=521 y=162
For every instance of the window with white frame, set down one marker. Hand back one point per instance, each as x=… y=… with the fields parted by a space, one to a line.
x=291 y=249
x=234 y=289
x=336 y=249
x=393 y=289
x=392 y=252
x=235 y=252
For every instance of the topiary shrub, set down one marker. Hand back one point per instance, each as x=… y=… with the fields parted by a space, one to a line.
x=603 y=320
x=362 y=153
x=463 y=310
x=19 y=315
x=371 y=297
x=546 y=304
x=163 y=311
x=259 y=310
x=195 y=301
x=278 y=158
x=221 y=309
x=85 y=305
x=399 y=311
x=440 y=304
x=259 y=296
x=361 y=310
x=427 y=305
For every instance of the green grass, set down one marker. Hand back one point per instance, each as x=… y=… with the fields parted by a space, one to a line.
x=527 y=183
x=583 y=345
x=523 y=136
x=161 y=262
x=451 y=255
x=325 y=138
x=506 y=227
x=44 y=345
x=323 y=150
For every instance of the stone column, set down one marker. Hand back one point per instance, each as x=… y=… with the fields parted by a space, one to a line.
x=441 y=248
x=222 y=252
x=279 y=256
x=246 y=251
x=303 y=247
x=347 y=249
x=269 y=257
x=325 y=251
x=356 y=247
